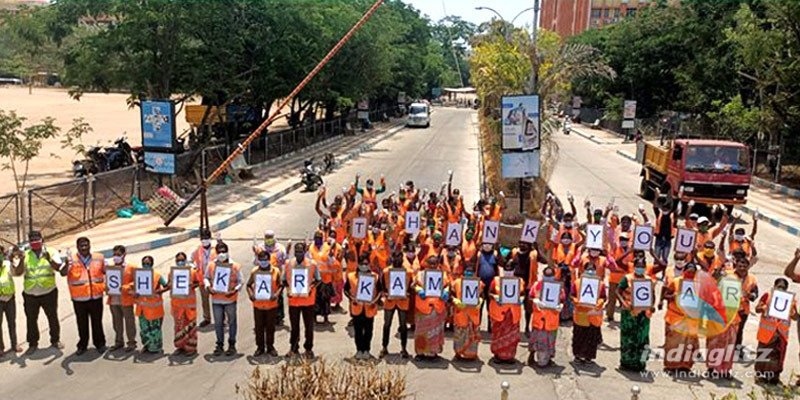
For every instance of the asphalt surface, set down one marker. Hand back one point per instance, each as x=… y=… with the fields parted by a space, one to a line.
x=423 y=155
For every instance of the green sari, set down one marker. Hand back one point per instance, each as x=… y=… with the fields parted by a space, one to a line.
x=634 y=337
x=152 y=335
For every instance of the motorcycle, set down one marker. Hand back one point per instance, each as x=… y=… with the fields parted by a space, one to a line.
x=120 y=155
x=330 y=162
x=310 y=176
x=99 y=159
x=567 y=127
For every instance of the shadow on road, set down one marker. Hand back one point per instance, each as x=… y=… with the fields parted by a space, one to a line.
x=588 y=369
x=431 y=363
x=223 y=358
x=148 y=358
x=85 y=358
x=513 y=367
x=263 y=360
x=468 y=366
x=181 y=359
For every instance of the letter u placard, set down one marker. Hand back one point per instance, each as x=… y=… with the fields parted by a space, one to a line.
x=780 y=304
x=509 y=291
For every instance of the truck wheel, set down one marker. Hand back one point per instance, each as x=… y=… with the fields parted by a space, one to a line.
x=645 y=191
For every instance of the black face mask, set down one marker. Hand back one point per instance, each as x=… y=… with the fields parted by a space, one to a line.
x=299 y=256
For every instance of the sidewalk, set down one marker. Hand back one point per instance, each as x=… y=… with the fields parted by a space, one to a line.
x=778 y=209
x=227 y=204
x=598 y=136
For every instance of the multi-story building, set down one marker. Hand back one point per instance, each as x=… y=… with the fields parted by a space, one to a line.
x=571 y=17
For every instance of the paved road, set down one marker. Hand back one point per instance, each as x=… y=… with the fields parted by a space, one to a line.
x=422 y=155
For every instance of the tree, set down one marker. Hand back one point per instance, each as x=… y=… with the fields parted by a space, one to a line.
x=25 y=46
x=19 y=145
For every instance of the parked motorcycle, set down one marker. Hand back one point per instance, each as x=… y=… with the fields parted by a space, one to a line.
x=99 y=159
x=330 y=162
x=310 y=176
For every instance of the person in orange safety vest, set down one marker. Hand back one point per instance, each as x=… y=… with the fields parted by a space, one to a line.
x=150 y=310
x=773 y=335
x=121 y=305
x=265 y=303
x=86 y=278
x=363 y=288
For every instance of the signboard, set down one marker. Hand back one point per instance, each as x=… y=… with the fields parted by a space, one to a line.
x=731 y=290
x=629 y=109
x=688 y=298
x=685 y=240
x=181 y=282
x=222 y=278
x=628 y=124
x=359 y=228
x=521 y=125
x=453 y=237
x=366 y=288
x=300 y=282
x=412 y=222
x=643 y=237
x=362 y=114
x=401 y=97
x=589 y=291
x=642 y=298
x=143 y=282
x=491 y=230
x=521 y=165
x=470 y=291
x=263 y=285
x=434 y=283
x=551 y=294
x=398 y=284
x=159 y=163
x=509 y=291
x=158 y=124
x=530 y=231
x=780 y=304
x=594 y=236
x=114 y=281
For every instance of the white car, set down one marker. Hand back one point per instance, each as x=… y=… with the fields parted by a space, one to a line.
x=419 y=114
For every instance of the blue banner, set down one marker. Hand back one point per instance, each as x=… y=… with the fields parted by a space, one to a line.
x=159 y=163
x=158 y=124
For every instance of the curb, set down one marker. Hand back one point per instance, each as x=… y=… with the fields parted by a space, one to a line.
x=585 y=136
x=262 y=203
x=792 y=230
x=775 y=187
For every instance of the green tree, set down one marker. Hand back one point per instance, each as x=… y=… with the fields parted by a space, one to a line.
x=20 y=144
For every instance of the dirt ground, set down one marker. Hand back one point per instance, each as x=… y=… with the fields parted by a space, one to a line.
x=107 y=114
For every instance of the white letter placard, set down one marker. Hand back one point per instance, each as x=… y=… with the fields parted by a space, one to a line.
x=222 y=278
x=491 y=230
x=114 y=281
x=434 y=283
x=643 y=237
x=412 y=222
x=642 y=290
x=530 y=231
x=594 y=236
x=688 y=298
x=366 y=288
x=780 y=304
x=509 y=291
x=398 y=283
x=685 y=241
x=359 y=228
x=181 y=282
x=470 y=293
x=453 y=234
x=551 y=294
x=589 y=291
x=263 y=285
x=300 y=282
x=143 y=282
x=731 y=290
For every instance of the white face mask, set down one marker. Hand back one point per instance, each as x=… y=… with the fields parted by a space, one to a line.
x=594 y=253
x=680 y=263
x=206 y=243
x=222 y=257
x=738 y=238
x=590 y=272
x=508 y=274
x=487 y=248
x=568 y=224
x=566 y=242
x=118 y=260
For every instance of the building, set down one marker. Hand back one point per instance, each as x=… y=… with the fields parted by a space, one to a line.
x=571 y=17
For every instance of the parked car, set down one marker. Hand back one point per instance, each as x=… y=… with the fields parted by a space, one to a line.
x=10 y=81
x=419 y=114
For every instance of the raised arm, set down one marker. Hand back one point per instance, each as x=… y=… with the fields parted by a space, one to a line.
x=790 y=268
x=318 y=205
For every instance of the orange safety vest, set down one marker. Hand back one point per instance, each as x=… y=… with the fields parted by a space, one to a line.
x=321 y=256
x=600 y=263
x=151 y=307
x=189 y=302
x=87 y=283
x=400 y=304
x=748 y=284
x=769 y=326
x=626 y=294
x=201 y=263
x=615 y=277
x=452 y=267
x=587 y=315
x=497 y=310
x=702 y=238
x=380 y=249
x=356 y=307
x=276 y=285
x=544 y=318
x=301 y=301
x=675 y=313
x=468 y=250
x=126 y=298
x=338 y=224
x=462 y=316
x=428 y=304
x=235 y=268
x=370 y=198
x=745 y=246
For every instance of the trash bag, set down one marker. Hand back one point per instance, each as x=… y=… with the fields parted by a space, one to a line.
x=138 y=206
x=125 y=213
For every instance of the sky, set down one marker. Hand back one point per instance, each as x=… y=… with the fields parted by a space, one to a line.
x=466 y=9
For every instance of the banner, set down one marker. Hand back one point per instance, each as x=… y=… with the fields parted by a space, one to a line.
x=158 y=124
x=521 y=126
x=524 y=164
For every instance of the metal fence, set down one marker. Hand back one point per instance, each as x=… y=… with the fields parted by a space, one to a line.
x=84 y=202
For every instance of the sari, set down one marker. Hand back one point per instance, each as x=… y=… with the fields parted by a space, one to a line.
x=722 y=350
x=634 y=340
x=543 y=344
x=585 y=340
x=466 y=340
x=185 y=328
x=151 y=334
x=679 y=348
x=429 y=333
x=505 y=337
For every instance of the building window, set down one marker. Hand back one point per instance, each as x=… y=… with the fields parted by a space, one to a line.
x=606 y=12
x=616 y=13
x=631 y=12
x=596 y=13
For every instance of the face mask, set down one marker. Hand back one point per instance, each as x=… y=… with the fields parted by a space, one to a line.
x=118 y=260
x=638 y=270
x=469 y=236
x=508 y=273
x=781 y=288
x=269 y=242
x=263 y=264
x=318 y=242
x=680 y=263
x=410 y=254
x=375 y=231
x=468 y=273
x=487 y=248
x=702 y=229
x=222 y=257
x=566 y=242
x=549 y=278
x=180 y=263
x=738 y=238
x=451 y=254
x=708 y=253
x=147 y=265
x=624 y=245
x=594 y=253
x=299 y=256
x=206 y=243
x=688 y=274
x=590 y=272
x=568 y=224
x=36 y=245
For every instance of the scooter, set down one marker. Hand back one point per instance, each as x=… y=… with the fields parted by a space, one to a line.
x=310 y=176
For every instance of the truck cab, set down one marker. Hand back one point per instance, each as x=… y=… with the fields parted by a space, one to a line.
x=706 y=171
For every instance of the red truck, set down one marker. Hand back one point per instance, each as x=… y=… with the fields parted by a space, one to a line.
x=708 y=171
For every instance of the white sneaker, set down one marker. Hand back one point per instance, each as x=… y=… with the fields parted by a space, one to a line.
x=357 y=356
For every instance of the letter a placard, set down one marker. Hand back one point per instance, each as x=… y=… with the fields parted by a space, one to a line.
x=688 y=296
x=143 y=282
x=114 y=281
x=359 y=228
x=453 y=234
x=491 y=230
x=589 y=291
x=262 y=280
x=398 y=283
x=686 y=240
x=780 y=304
